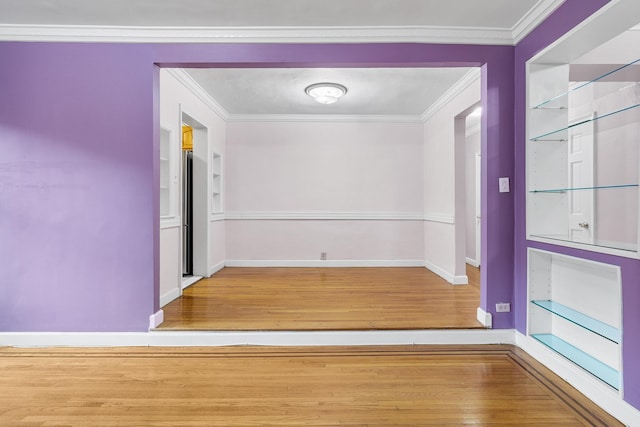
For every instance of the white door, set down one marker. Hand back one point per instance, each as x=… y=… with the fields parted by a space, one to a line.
x=580 y=179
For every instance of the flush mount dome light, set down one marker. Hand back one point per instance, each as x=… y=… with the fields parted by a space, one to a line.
x=326 y=93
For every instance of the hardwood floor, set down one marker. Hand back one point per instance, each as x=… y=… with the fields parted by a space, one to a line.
x=324 y=299
x=242 y=386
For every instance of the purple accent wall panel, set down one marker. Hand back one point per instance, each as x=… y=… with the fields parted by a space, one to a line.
x=566 y=17
x=77 y=185
x=79 y=197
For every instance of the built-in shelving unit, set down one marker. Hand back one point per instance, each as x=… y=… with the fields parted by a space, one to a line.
x=583 y=156
x=165 y=172
x=575 y=309
x=216 y=183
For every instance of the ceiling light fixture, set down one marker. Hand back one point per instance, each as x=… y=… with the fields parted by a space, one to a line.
x=325 y=93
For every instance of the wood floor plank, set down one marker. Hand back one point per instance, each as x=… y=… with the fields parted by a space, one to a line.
x=324 y=299
x=398 y=386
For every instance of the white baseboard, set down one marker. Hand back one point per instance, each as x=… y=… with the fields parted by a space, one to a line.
x=473 y=262
x=215 y=268
x=328 y=263
x=156 y=319
x=333 y=338
x=170 y=296
x=600 y=393
x=188 y=281
x=454 y=280
x=484 y=318
x=74 y=339
x=270 y=338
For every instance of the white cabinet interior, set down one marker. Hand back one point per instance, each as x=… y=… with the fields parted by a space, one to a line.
x=583 y=155
x=575 y=308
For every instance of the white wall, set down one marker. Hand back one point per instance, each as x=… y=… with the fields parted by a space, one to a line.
x=472 y=148
x=441 y=248
x=291 y=177
x=173 y=96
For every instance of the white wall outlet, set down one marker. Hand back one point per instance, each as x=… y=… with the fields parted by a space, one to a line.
x=323 y=256
x=503 y=307
x=503 y=184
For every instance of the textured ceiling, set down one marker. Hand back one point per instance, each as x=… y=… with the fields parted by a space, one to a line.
x=268 y=13
x=371 y=91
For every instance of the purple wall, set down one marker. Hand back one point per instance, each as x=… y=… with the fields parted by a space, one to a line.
x=566 y=17
x=76 y=187
x=79 y=199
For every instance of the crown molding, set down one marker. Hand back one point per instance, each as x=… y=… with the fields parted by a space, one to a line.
x=533 y=18
x=283 y=34
x=188 y=82
x=360 y=34
x=323 y=118
x=458 y=87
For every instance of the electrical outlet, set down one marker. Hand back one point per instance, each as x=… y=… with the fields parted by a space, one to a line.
x=323 y=256
x=503 y=307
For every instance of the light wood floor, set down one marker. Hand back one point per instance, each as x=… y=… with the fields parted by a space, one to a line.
x=368 y=386
x=325 y=299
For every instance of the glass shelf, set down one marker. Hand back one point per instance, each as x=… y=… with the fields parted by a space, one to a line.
x=560 y=135
x=631 y=247
x=601 y=370
x=602 y=187
x=552 y=103
x=580 y=319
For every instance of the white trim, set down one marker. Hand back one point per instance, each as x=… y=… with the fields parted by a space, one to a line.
x=473 y=130
x=533 y=18
x=217 y=217
x=270 y=338
x=458 y=87
x=334 y=34
x=190 y=84
x=600 y=393
x=170 y=222
x=391 y=216
x=634 y=254
x=344 y=34
x=324 y=118
x=188 y=281
x=449 y=277
x=485 y=318
x=439 y=217
x=319 y=263
x=156 y=319
x=167 y=297
x=472 y=262
x=215 y=268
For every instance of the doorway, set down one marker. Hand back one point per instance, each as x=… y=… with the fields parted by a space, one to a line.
x=194 y=247
x=468 y=193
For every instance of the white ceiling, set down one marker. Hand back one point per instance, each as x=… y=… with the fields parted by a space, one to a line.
x=260 y=13
x=371 y=91
x=407 y=92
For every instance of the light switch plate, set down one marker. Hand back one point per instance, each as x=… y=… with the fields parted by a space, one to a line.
x=503 y=184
